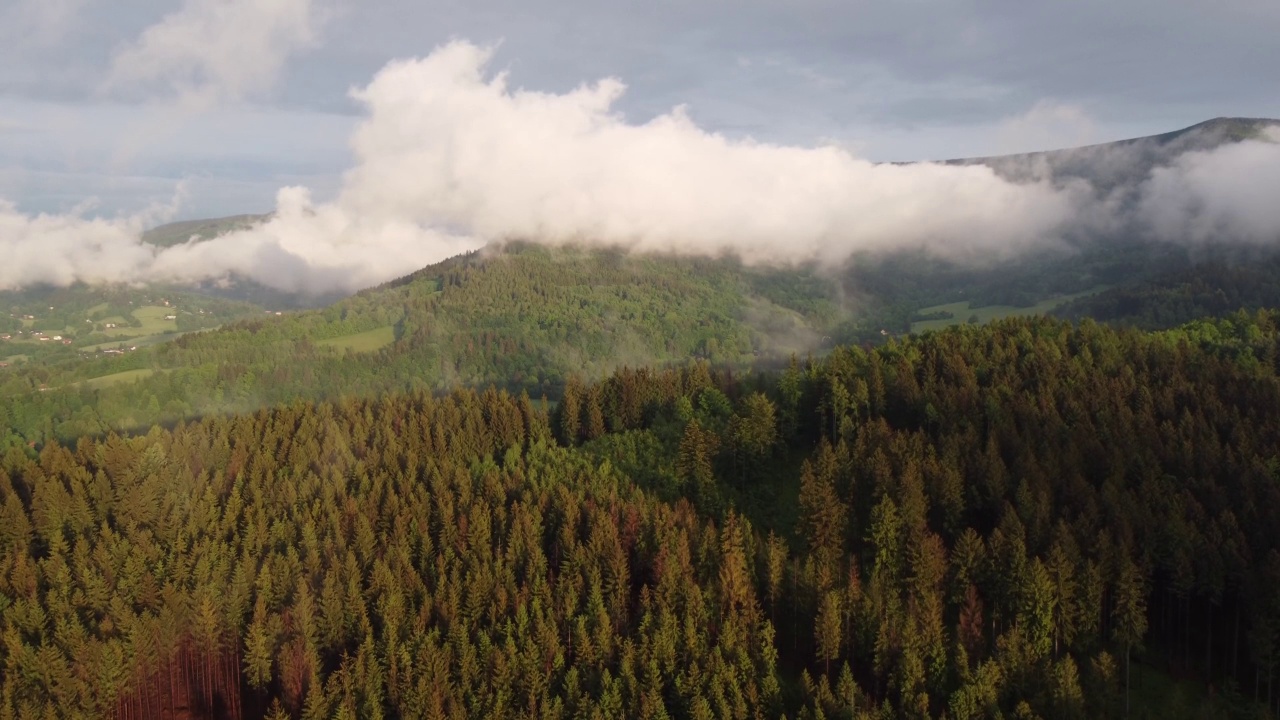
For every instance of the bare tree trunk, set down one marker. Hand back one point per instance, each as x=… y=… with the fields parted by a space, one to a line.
x=1126 y=679
x=1235 y=645
x=1186 y=629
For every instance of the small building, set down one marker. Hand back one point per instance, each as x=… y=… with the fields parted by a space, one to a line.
x=170 y=317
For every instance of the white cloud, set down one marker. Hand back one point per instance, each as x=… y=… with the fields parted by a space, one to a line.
x=444 y=144
x=63 y=249
x=450 y=157
x=1223 y=194
x=1048 y=125
x=213 y=50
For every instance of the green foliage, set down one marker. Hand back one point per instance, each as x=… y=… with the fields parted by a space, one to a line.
x=1210 y=289
x=524 y=318
x=1020 y=519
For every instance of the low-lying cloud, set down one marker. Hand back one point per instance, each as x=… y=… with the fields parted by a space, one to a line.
x=1229 y=192
x=451 y=157
x=64 y=249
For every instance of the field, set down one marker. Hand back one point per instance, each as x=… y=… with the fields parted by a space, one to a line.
x=154 y=329
x=152 y=319
x=120 y=377
x=367 y=341
x=961 y=312
x=142 y=341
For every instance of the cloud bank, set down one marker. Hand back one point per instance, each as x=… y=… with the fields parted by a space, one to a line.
x=64 y=249
x=451 y=157
x=1229 y=192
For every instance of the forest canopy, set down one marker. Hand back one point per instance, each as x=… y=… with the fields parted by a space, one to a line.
x=1019 y=519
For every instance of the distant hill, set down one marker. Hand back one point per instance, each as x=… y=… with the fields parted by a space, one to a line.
x=207 y=229
x=1210 y=288
x=238 y=289
x=524 y=317
x=894 y=286
x=888 y=289
x=1123 y=162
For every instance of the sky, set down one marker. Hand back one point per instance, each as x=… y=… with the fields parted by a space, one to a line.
x=209 y=107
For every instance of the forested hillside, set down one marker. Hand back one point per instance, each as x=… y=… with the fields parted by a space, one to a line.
x=524 y=318
x=1208 y=289
x=1023 y=520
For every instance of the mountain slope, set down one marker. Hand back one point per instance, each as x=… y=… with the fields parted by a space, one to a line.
x=523 y=317
x=893 y=286
x=177 y=233
x=1110 y=165
x=1091 y=258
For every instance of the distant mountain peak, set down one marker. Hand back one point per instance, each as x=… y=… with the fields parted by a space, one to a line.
x=1122 y=162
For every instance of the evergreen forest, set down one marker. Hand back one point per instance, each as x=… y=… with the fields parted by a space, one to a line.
x=1028 y=519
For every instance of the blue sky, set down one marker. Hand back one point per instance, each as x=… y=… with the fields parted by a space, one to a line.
x=115 y=104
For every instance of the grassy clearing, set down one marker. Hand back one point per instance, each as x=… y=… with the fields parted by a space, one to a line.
x=100 y=307
x=367 y=341
x=142 y=341
x=115 y=378
x=153 y=322
x=961 y=311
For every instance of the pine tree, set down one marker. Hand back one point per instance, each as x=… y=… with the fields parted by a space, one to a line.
x=570 y=410
x=827 y=631
x=1129 y=614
